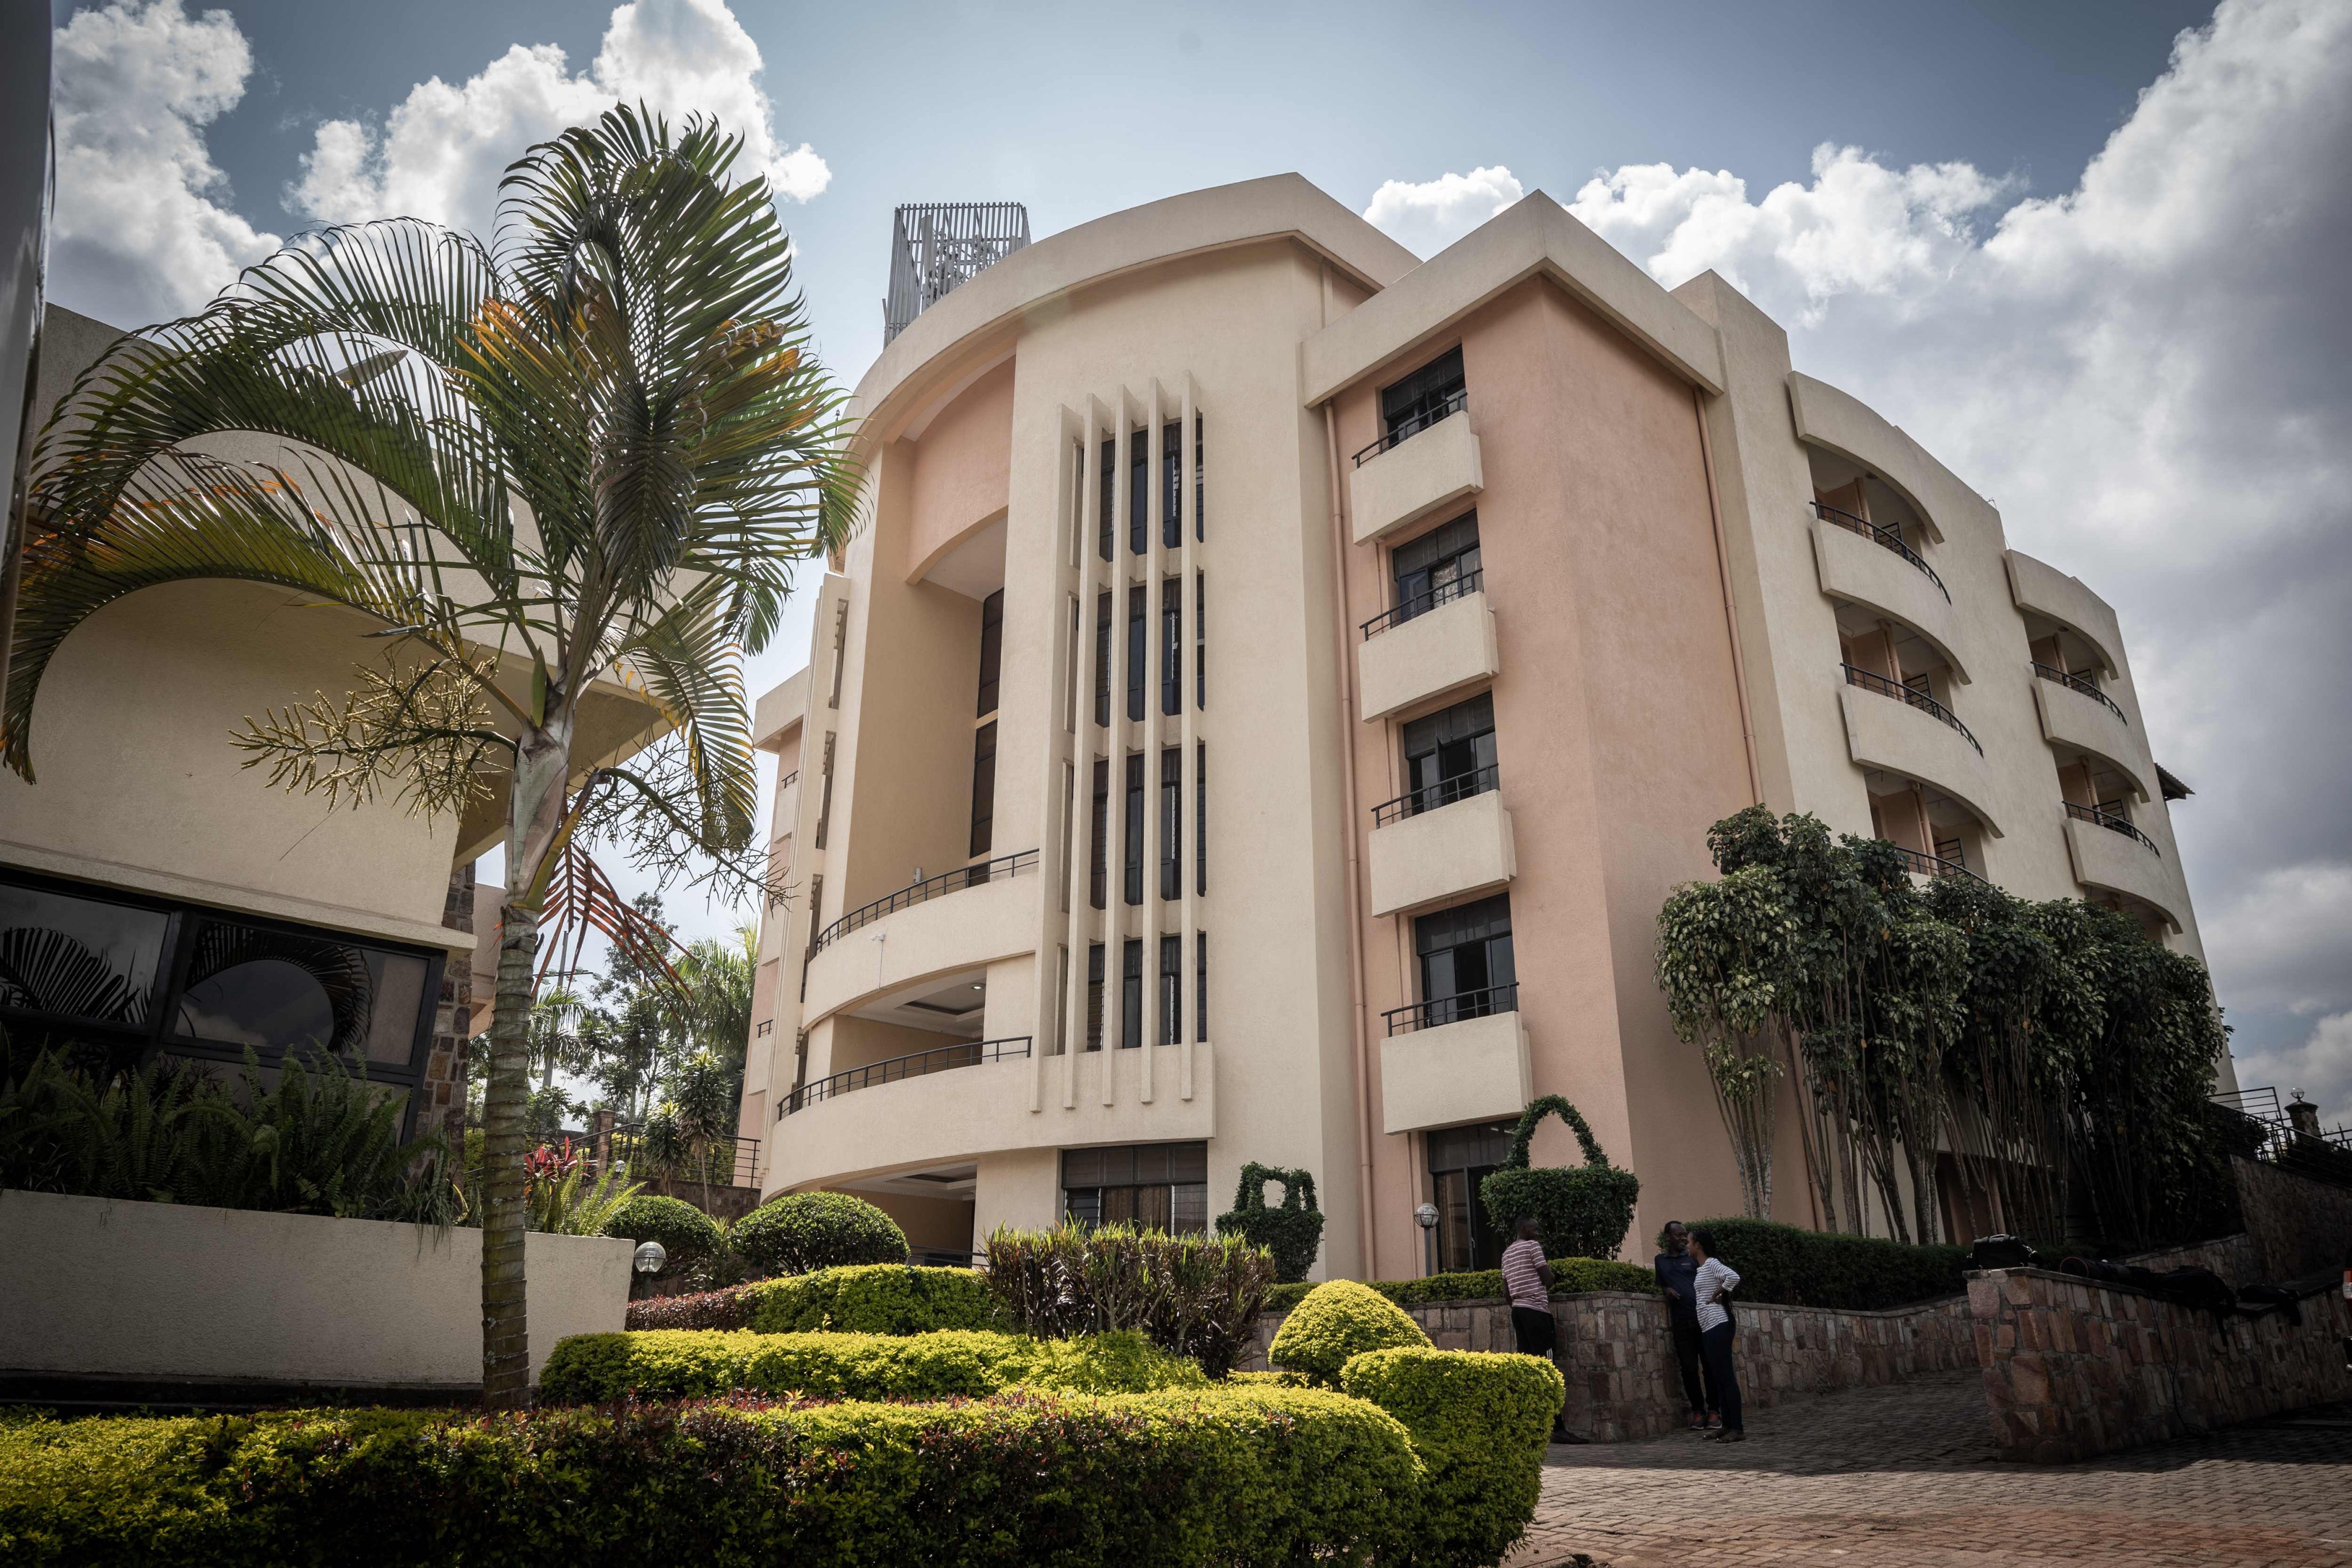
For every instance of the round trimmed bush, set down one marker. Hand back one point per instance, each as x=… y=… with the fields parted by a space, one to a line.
x=686 y=1233
x=1341 y=1318
x=804 y=1231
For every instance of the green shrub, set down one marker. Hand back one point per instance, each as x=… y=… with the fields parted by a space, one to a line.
x=1582 y=1211
x=1292 y=1233
x=872 y=1298
x=1479 y=1423
x=1570 y=1277
x=687 y=1363
x=1193 y=1295
x=690 y=1237
x=803 y=1231
x=727 y=1309
x=1156 y=1480
x=1338 y=1319
x=1803 y=1268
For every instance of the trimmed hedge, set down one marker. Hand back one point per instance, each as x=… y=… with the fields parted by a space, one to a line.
x=1570 y=1277
x=872 y=1298
x=685 y=1232
x=803 y=1231
x=1155 y=1481
x=727 y=1309
x=1338 y=1319
x=586 y=1369
x=1801 y=1268
x=1479 y=1423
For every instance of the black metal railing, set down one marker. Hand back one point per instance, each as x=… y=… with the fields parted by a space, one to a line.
x=1468 y=582
x=1440 y=1011
x=2323 y=1155
x=1407 y=429
x=922 y=1064
x=1931 y=865
x=1444 y=792
x=942 y=1258
x=719 y=1161
x=1884 y=536
x=2113 y=824
x=1869 y=681
x=929 y=888
x=2076 y=683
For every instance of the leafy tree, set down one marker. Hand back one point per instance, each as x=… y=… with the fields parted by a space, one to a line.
x=590 y=451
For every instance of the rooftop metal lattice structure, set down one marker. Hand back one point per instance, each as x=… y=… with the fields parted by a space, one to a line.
x=938 y=247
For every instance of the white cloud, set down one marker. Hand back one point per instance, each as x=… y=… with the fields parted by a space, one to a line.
x=1427 y=217
x=141 y=232
x=2320 y=1066
x=441 y=151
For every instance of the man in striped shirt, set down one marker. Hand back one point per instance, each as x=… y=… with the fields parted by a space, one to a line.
x=1527 y=1280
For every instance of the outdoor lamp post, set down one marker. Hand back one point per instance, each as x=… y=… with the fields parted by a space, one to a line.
x=650 y=1256
x=1425 y=1216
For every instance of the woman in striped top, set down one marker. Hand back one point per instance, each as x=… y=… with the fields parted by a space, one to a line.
x=1711 y=1288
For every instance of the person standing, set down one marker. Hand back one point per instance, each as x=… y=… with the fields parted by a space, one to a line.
x=1676 y=1270
x=1711 y=1285
x=1527 y=1280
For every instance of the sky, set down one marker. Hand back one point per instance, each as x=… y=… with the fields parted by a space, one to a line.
x=2089 y=254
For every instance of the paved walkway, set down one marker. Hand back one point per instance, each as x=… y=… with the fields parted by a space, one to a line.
x=1906 y=1476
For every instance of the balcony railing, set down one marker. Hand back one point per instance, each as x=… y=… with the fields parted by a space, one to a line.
x=2076 y=683
x=1884 y=536
x=922 y=1064
x=1444 y=792
x=718 y=1161
x=1440 y=1011
x=1467 y=584
x=929 y=888
x=2323 y=1156
x=1870 y=680
x=1407 y=428
x=1932 y=865
x=2113 y=824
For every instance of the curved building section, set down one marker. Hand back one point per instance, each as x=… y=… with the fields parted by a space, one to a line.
x=1278 y=682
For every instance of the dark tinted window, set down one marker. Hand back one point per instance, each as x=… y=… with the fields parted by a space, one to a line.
x=992 y=650
x=983 y=788
x=1172 y=485
x=1424 y=397
x=1448 y=750
x=1132 y=853
x=71 y=957
x=1160 y=1185
x=1138 y=655
x=1442 y=564
x=1460 y=1158
x=1466 y=959
x=1138 y=493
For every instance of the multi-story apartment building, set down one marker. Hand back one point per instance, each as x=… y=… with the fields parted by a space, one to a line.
x=1277 y=682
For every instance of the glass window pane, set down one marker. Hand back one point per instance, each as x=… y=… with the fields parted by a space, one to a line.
x=79 y=958
x=399 y=979
x=278 y=991
x=1188 y=1208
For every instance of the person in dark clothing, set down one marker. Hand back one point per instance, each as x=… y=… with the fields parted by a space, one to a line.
x=1676 y=1270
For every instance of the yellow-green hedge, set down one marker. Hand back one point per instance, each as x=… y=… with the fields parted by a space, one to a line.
x=685 y=1363
x=872 y=1298
x=1479 y=1423
x=1338 y=1319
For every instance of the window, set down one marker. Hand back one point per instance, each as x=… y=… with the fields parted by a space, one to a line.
x=1199 y=482
x=1201 y=816
x=1061 y=1001
x=1094 y=997
x=1102 y=659
x=1171 y=646
x=1200 y=639
x=1130 y=995
x=1953 y=851
x=1138 y=654
x=1465 y=961
x=1163 y=1186
x=1101 y=830
x=824 y=796
x=1138 y=493
x=1424 y=397
x=1078 y=509
x=1460 y=1158
x=1131 y=856
x=1068 y=827
x=1450 y=756
x=983 y=788
x=1172 y=990
x=992 y=650
x=1171 y=822
x=67 y=957
x=1200 y=985
x=1070 y=674
x=1172 y=486
x=1442 y=564
x=1109 y=493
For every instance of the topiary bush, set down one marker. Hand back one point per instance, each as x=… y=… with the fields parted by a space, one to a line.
x=691 y=1237
x=1293 y=1232
x=589 y=1369
x=1340 y=1318
x=1570 y=1277
x=1801 y=1268
x=1191 y=1295
x=870 y=1298
x=803 y=1231
x=1580 y=1212
x=1479 y=1425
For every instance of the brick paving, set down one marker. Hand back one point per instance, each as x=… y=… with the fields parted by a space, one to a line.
x=1907 y=1475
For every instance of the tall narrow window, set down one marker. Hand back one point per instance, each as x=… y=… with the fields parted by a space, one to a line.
x=1138 y=493
x=1070 y=673
x=1199 y=482
x=1138 y=655
x=1094 y=997
x=1101 y=830
x=1102 y=659
x=1066 y=837
x=983 y=788
x=1200 y=985
x=1172 y=990
x=1130 y=995
x=1201 y=816
x=1133 y=855
x=1171 y=645
x=992 y=650
x=1077 y=497
x=1109 y=493
x=1171 y=822
x=1061 y=1002
x=824 y=799
x=1172 y=484
x=1200 y=639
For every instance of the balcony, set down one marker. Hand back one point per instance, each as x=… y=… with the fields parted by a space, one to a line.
x=1405 y=477
x=1908 y=733
x=1931 y=866
x=1455 y=1060
x=1432 y=644
x=2076 y=716
x=2043 y=590
x=968 y=918
x=1866 y=565
x=1438 y=844
x=2112 y=856
x=922 y=1064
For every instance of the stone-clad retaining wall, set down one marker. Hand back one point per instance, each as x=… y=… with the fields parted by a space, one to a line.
x=2299 y=1225
x=2072 y=1368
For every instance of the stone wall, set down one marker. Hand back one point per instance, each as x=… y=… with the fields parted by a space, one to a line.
x=1618 y=1356
x=2072 y=1368
x=443 y=1108
x=2300 y=1226
x=2234 y=1258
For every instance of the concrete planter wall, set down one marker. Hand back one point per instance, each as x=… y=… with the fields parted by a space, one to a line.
x=162 y=1292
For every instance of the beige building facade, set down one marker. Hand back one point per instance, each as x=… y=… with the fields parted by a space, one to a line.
x=1277 y=681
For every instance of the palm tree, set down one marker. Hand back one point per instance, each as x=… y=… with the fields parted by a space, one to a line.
x=592 y=450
